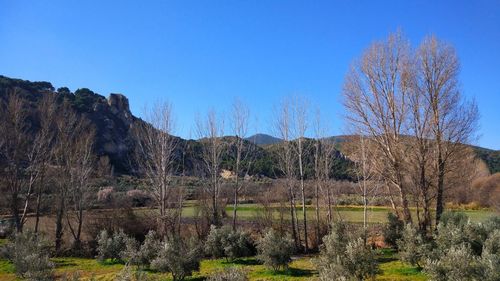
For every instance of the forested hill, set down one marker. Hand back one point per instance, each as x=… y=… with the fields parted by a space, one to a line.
x=113 y=122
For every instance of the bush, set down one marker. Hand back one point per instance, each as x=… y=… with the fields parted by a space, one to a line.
x=491 y=256
x=142 y=255
x=126 y=274
x=345 y=258
x=213 y=244
x=223 y=242
x=229 y=274
x=111 y=247
x=455 y=229
x=459 y=263
x=178 y=258
x=393 y=230
x=139 y=198
x=360 y=260
x=275 y=251
x=29 y=254
x=412 y=247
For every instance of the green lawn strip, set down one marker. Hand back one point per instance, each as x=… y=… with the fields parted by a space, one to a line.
x=393 y=269
x=7 y=272
x=301 y=268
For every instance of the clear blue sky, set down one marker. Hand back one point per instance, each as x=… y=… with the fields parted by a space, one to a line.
x=202 y=54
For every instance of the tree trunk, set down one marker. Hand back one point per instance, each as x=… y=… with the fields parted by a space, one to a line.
x=440 y=189
x=59 y=223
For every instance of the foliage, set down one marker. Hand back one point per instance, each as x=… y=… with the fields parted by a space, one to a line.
x=465 y=250
x=29 y=254
x=223 y=242
x=274 y=250
x=126 y=274
x=229 y=274
x=454 y=229
x=178 y=258
x=213 y=244
x=412 y=247
x=459 y=264
x=393 y=230
x=345 y=258
x=111 y=247
x=142 y=255
x=491 y=256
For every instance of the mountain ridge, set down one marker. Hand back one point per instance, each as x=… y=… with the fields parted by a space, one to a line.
x=113 y=121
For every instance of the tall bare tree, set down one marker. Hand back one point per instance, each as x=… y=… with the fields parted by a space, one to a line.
x=210 y=132
x=453 y=120
x=375 y=97
x=42 y=148
x=14 y=145
x=82 y=163
x=155 y=150
x=239 y=124
x=324 y=153
x=283 y=126
x=299 y=128
x=366 y=178
x=419 y=156
x=72 y=158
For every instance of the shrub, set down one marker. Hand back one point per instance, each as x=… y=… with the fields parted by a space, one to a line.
x=126 y=274
x=178 y=258
x=111 y=247
x=392 y=231
x=455 y=229
x=412 y=246
x=29 y=254
x=275 y=251
x=213 y=244
x=491 y=256
x=139 y=198
x=223 y=242
x=142 y=255
x=238 y=244
x=458 y=263
x=345 y=258
x=360 y=260
x=229 y=274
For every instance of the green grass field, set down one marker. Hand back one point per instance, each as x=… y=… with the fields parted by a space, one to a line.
x=353 y=214
x=301 y=268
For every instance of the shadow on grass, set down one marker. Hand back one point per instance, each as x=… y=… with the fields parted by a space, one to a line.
x=64 y=263
x=386 y=255
x=244 y=262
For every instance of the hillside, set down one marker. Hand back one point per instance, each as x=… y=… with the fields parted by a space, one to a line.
x=113 y=121
x=263 y=139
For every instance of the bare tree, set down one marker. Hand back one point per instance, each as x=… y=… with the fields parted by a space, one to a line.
x=366 y=178
x=42 y=148
x=283 y=127
x=375 y=96
x=239 y=122
x=324 y=152
x=453 y=120
x=72 y=159
x=82 y=165
x=155 y=150
x=300 y=124
x=419 y=156
x=14 y=146
x=210 y=132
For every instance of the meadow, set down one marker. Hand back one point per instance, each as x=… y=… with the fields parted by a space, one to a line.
x=301 y=268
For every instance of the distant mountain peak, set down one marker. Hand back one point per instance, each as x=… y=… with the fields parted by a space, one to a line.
x=263 y=139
